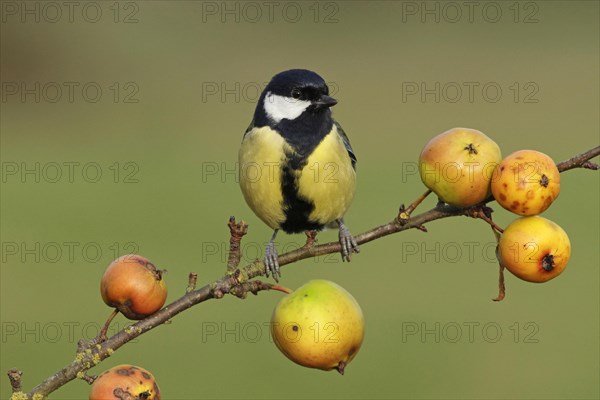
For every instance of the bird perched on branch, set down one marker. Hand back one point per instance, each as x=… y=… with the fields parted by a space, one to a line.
x=297 y=168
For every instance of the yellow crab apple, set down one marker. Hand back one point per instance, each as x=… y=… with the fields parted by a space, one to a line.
x=458 y=164
x=534 y=249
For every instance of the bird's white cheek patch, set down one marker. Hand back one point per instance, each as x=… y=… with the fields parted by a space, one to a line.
x=281 y=107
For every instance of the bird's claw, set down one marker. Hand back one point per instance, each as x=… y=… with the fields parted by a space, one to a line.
x=348 y=243
x=271 y=262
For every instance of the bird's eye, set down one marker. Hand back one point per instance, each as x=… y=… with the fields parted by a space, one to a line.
x=296 y=93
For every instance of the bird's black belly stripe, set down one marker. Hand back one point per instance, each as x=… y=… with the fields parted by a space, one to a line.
x=297 y=210
x=303 y=134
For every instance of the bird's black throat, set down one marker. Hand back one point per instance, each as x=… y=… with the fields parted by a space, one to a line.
x=305 y=133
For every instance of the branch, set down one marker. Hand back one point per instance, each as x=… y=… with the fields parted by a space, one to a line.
x=14 y=376
x=580 y=161
x=237 y=232
x=237 y=280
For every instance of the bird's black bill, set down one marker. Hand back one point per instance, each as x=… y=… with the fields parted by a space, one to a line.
x=325 y=101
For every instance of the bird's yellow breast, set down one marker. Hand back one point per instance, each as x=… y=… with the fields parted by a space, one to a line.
x=327 y=180
x=260 y=159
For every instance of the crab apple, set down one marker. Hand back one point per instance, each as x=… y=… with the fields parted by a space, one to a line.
x=320 y=325
x=134 y=286
x=534 y=249
x=125 y=382
x=526 y=182
x=458 y=164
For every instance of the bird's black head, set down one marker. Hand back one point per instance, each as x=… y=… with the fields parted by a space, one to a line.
x=300 y=84
x=292 y=93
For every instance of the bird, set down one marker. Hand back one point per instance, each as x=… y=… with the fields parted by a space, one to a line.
x=297 y=169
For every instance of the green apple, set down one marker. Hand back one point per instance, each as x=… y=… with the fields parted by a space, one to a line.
x=320 y=325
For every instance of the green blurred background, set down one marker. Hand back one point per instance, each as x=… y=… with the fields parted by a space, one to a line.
x=179 y=83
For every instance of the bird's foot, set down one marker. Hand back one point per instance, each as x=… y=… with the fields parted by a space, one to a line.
x=271 y=261
x=348 y=243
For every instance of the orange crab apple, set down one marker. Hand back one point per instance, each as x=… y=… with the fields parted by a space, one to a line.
x=125 y=382
x=134 y=286
x=526 y=182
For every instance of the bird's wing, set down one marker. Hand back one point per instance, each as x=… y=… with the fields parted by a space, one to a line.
x=346 y=143
x=250 y=127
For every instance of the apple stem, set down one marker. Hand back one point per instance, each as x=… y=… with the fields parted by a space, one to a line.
x=501 y=285
x=102 y=335
x=340 y=367
x=281 y=289
x=479 y=213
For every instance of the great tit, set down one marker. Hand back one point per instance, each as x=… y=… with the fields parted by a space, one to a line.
x=297 y=168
